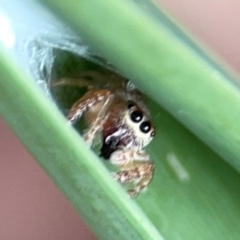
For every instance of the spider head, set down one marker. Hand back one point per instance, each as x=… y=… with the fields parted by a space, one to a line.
x=127 y=127
x=138 y=122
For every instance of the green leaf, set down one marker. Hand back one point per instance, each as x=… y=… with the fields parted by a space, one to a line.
x=171 y=68
x=63 y=154
x=194 y=194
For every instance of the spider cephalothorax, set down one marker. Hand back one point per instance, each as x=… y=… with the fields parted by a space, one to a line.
x=113 y=108
x=127 y=127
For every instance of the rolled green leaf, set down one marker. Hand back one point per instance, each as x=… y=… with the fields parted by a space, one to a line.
x=63 y=154
x=165 y=63
x=194 y=194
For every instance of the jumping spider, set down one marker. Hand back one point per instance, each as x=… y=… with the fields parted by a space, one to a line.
x=114 y=108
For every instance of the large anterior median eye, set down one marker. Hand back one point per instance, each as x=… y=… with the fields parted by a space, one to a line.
x=145 y=127
x=136 y=116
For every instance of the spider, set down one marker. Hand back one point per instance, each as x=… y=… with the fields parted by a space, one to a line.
x=114 y=108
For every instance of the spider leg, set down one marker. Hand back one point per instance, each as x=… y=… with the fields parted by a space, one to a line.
x=94 y=128
x=135 y=167
x=88 y=101
x=77 y=82
x=86 y=79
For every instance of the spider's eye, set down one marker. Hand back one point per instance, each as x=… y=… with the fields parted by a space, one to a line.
x=130 y=104
x=136 y=116
x=145 y=127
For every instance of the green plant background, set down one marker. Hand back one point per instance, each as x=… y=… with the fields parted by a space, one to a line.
x=202 y=203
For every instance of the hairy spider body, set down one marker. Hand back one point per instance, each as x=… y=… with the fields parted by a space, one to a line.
x=114 y=108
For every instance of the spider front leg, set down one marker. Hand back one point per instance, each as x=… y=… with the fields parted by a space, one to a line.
x=95 y=127
x=87 y=103
x=135 y=166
